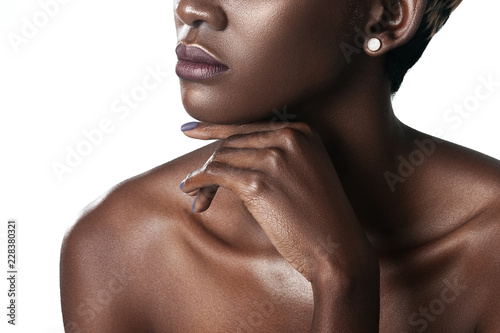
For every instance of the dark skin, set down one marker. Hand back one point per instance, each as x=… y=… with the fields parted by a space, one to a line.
x=295 y=228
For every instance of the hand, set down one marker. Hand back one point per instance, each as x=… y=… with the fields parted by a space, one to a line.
x=285 y=177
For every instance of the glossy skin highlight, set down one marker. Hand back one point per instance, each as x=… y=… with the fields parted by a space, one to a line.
x=294 y=227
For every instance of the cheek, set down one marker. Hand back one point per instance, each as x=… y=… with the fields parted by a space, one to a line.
x=296 y=60
x=277 y=57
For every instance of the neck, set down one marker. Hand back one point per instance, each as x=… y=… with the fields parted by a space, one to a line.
x=364 y=138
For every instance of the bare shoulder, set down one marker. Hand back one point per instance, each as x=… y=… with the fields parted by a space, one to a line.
x=113 y=248
x=455 y=276
x=469 y=182
x=485 y=268
x=478 y=182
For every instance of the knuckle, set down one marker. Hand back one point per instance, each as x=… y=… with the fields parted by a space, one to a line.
x=303 y=127
x=225 y=143
x=213 y=168
x=231 y=141
x=274 y=156
x=255 y=184
x=207 y=129
x=221 y=152
x=289 y=136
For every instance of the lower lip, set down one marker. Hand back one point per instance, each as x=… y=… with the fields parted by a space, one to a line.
x=196 y=71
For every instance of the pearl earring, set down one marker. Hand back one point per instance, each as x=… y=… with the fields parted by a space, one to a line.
x=374 y=44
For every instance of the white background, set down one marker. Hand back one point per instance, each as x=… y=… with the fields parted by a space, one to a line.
x=65 y=79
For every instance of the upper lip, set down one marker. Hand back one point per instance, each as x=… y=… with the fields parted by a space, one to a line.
x=195 y=54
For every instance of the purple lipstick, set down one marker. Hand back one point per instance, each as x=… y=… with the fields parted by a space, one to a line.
x=195 y=64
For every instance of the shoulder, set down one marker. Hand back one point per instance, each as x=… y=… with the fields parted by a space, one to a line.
x=486 y=268
x=461 y=191
x=131 y=211
x=469 y=184
x=456 y=184
x=479 y=186
x=109 y=251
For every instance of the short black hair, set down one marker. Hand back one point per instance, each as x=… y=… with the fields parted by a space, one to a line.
x=401 y=59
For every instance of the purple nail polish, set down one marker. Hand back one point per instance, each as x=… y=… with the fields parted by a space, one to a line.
x=182 y=185
x=189 y=126
x=194 y=203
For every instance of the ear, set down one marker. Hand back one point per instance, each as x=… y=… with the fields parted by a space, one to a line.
x=393 y=22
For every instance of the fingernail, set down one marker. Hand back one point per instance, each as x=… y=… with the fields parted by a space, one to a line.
x=182 y=185
x=194 y=203
x=189 y=126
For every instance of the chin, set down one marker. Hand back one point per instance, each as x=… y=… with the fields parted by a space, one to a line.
x=216 y=116
x=222 y=111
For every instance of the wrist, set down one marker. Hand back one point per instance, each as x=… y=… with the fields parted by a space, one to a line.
x=342 y=269
x=342 y=299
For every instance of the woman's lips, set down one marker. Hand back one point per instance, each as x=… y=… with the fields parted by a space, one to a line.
x=196 y=65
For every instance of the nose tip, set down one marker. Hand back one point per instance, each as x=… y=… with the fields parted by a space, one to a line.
x=196 y=12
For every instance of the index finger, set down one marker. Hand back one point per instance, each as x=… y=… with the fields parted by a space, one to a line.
x=208 y=131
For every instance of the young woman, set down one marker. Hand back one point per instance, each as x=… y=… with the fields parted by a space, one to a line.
x=315 y=210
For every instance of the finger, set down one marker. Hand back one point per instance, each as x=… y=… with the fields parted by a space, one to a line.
x=193 y=193
x=204 y=198
x=250 y=158
x=261 y=139
x=240 y=181
x=207 y=131
x=251 y=187
x=239 y=158
x=192 y=173
x=243 y=158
